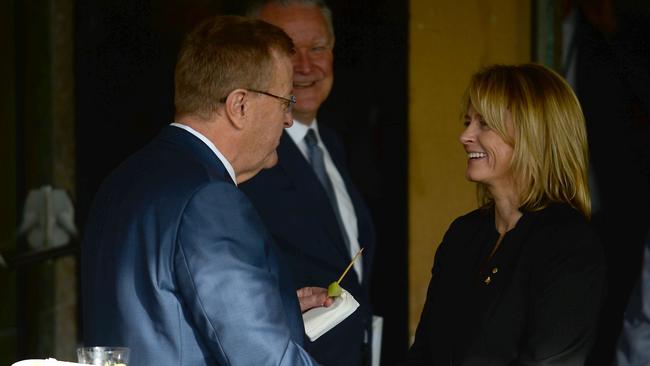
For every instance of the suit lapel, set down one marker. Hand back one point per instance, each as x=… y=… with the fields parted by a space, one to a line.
x=301 y=174
x=364 y=224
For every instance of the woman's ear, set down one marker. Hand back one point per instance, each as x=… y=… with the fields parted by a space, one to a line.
x=236 y=107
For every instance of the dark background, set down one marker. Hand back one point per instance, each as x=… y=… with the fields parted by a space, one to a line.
x=613 y=86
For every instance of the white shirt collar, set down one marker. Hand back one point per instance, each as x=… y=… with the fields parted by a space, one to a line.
x=212 y=147
x=299 y=130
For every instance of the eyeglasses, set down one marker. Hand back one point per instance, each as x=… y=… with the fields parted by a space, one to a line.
x=288 y=102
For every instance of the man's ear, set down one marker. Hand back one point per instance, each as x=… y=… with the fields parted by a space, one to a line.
x=237 y=107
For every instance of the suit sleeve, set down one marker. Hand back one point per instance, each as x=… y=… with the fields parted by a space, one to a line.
x=566 y=290
x=224 y=280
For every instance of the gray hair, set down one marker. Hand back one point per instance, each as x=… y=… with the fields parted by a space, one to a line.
x=255 y=7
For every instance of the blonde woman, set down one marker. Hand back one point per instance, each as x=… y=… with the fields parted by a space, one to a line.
x=518 y=281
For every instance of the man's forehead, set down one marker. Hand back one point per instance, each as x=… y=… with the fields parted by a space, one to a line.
x=294 y=16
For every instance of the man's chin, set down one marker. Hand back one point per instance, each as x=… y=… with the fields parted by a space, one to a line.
x=270 y=161
x=307 y=104
x=304 y=115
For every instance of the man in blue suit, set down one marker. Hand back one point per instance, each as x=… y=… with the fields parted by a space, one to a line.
x=176 y=263
x=316 y=215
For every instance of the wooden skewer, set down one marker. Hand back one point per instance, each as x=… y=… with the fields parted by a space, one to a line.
x=349 y=266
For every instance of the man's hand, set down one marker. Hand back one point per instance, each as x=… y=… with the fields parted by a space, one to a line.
x=312 y=297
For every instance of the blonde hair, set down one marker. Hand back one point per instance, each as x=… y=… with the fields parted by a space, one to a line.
x=550 y=157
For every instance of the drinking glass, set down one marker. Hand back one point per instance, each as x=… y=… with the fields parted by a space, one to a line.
x=103 y=356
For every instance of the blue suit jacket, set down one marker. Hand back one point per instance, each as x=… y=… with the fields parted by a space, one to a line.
x=178 y=266
x=296 y=210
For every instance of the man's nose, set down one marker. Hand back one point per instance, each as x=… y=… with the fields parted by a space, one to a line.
x=288 y=122
x=301 y=61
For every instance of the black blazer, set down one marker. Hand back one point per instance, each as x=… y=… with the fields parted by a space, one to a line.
x=535 y=303
x=295 y=207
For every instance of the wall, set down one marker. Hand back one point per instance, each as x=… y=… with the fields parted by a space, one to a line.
x=449 y=40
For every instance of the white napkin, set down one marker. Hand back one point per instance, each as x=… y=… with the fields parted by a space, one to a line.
x=47 y=362
x=320 y=320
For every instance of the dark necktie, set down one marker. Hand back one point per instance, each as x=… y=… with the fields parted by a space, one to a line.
x=318 y=164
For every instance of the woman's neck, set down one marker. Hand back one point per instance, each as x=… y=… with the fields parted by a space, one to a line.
x=506 y=212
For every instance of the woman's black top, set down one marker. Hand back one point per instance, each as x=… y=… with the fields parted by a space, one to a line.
x=534 y=302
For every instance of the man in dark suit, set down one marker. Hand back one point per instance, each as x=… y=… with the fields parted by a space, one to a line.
x=177 y=265
x=308 y=201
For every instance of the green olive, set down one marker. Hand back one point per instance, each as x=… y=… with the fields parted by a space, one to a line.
x=334 y=290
